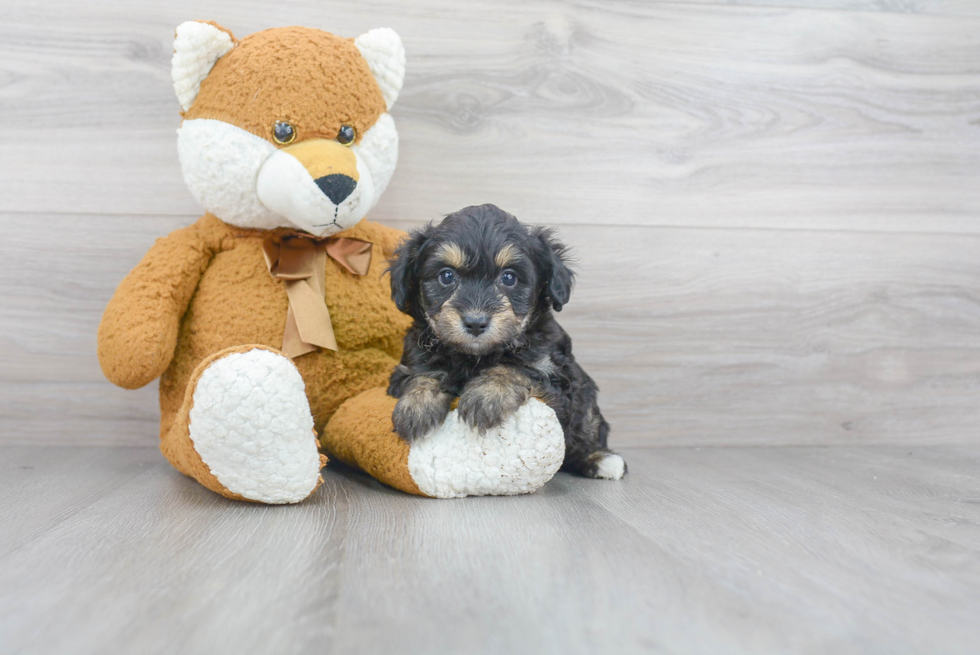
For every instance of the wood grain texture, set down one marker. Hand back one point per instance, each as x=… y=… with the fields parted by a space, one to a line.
x=615 y=112
x=41 y=487
x=694 y=336
x=935 y=7
x=762 y=199
x=735 y=550
x=755 y=337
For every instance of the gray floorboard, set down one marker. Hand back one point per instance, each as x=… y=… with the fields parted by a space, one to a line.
x=742 y=550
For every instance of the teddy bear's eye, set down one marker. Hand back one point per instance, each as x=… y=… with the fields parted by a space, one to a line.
x=283 y=133
x=346 y=135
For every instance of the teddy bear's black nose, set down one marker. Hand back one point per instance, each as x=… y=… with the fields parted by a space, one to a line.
x=336 y=187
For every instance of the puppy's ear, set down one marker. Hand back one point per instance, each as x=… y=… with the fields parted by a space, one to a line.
x=403 y=270
x=553 y=260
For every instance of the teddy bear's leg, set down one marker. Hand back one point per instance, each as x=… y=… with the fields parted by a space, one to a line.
x=454 y=460
x=245 y=430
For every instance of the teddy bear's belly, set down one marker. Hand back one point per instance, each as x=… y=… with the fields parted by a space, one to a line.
x=237 y=303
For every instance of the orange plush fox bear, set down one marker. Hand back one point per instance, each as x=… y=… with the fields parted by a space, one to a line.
x=269 y=319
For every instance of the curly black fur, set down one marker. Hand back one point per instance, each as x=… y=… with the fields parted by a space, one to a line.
x=490 y=343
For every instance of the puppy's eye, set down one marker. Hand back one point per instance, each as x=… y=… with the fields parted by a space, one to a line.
x=508 y=278
x=283 y=133
x=446 y=277
x=346 y=135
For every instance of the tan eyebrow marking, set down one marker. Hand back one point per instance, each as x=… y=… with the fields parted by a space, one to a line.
x=507 y=255
x=452 y=254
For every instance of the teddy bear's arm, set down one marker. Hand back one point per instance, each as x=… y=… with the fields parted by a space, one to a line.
x=138 y=332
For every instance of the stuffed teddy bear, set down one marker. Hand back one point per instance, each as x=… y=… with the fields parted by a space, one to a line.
x=269 y=320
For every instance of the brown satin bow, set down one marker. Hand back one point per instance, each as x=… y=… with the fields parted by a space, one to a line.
x=300 y=261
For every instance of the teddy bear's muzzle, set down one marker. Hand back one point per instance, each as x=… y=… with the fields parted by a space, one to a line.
x=315 y=184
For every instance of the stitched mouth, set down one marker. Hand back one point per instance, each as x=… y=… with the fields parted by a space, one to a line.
x=336 y=210
x=348 y=204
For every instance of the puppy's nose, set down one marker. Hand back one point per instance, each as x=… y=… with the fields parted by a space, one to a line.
x=476 y=324
x=336 y=187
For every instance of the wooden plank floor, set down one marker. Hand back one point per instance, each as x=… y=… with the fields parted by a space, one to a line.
x=846 y=549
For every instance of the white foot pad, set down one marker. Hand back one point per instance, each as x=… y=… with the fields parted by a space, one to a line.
x=516 y=458
x=612 y=467
x=251 y=424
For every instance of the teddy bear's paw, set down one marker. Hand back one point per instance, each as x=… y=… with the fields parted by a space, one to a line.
x=516 y=457
x=251 y=425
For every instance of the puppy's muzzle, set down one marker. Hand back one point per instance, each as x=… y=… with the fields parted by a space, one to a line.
x=476 y=323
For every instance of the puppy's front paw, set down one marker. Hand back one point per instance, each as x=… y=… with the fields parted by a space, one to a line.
x=490 y=399
x=420 y=410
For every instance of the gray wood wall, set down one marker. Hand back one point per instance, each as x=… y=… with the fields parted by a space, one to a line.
x=774 y=205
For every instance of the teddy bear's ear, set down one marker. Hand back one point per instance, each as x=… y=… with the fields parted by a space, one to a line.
x=197 y=46
x=385 y=54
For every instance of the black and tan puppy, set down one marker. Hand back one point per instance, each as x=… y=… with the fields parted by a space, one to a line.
x=481 y=287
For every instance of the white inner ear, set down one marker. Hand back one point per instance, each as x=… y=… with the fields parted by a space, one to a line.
x=197 y=47
x=385 y=55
